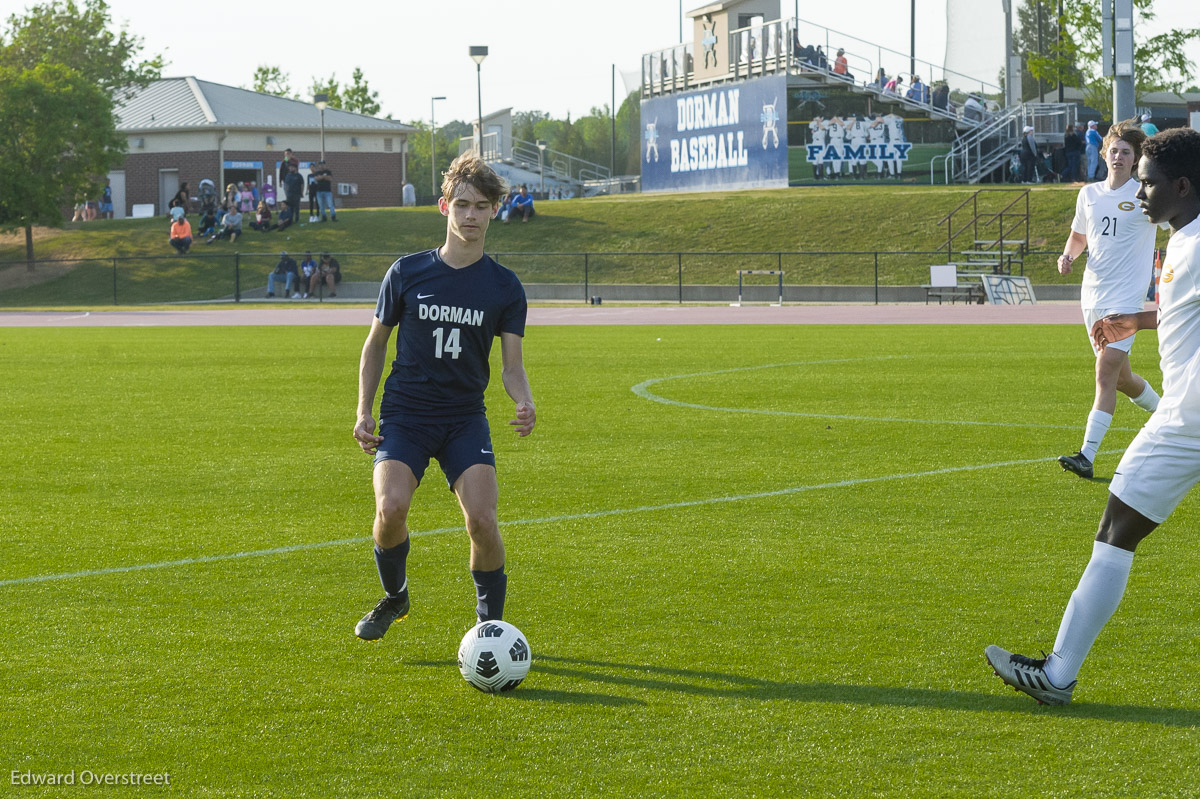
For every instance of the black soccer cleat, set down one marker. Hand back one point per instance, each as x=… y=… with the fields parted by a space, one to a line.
x=375 y=624
x=1076 y=463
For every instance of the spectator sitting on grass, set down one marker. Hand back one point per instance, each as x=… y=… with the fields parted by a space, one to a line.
x=208 y=223
x=231 y=226
x=262 y=219
x=522 y=205
x=286 y=216
x=181 y=236
x=284 y=270
x=328 y=272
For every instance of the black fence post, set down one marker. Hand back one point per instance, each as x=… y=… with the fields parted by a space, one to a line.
x=114 y=281
x=679 y=256
x=237 y=277
x=585 y=277
x=876 y=254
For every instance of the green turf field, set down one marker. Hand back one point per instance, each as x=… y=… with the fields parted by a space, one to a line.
x=750 y=561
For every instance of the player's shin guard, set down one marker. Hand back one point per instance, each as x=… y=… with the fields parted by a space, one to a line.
x=392 y=564
x=490 y=588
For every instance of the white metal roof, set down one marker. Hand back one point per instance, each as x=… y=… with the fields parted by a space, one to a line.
x=191 y=104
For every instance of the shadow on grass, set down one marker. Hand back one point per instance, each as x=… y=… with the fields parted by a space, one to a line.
x=733 y=686
x=530 y=693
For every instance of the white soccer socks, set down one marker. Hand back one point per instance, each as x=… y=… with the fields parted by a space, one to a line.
x=1097 y=426
x=1147 y=400
x=1091 y=606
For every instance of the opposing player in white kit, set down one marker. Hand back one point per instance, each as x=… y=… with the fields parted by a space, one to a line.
x=1120 y=245
x=817 y=129
x=1163 y=462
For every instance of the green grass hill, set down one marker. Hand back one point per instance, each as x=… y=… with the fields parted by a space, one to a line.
x=827 y=219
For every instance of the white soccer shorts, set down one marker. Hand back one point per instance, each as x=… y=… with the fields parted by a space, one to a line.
x=1093 y=315
x=1156 y=473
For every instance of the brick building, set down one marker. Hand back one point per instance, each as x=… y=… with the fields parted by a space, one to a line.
x=185 y=129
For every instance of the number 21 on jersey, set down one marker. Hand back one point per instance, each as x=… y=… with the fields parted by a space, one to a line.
x=450 y=345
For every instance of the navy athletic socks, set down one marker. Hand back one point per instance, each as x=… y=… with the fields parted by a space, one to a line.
x=490 y=588
x=391 y=564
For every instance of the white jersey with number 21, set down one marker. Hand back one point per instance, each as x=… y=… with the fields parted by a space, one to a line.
x=1120 y=246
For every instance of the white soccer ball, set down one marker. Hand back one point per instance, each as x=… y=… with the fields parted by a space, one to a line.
x=494 y=656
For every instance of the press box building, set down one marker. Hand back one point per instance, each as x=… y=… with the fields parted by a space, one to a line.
x=186 y=129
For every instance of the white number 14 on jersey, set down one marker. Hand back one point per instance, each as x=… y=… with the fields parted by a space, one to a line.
x=450 y=345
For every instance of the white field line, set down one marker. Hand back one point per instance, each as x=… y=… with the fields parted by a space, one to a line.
x=540 y=520
x=643 y=390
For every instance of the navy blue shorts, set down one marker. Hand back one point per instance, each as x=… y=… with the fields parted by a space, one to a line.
x=457 y=444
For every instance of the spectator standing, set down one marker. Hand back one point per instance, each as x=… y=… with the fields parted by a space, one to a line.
x=522 y=205
x=246 y=199
x=106 y=206
x=181 y=236
x=408 y=194
x=918 y=91
x=1072 y=150
x=312 y=193
x=308 y=268
x=841 y=65
x=325 y=191
x=289 y=160
x=1148 y=127
x=268 y=192
x=1093 y=141
x=231 y=196
x=181 y=201
x=293 y=187
x=893 y=85
x=285 y=270
x=1028 y=153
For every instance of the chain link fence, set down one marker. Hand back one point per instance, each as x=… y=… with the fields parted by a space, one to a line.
x=201 y=277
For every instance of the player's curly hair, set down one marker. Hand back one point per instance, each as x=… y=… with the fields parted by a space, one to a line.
x=1176 y=152
x=471 y=170
x=1128 y=131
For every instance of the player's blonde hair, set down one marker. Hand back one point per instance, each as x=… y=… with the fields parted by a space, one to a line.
x=1129 y=132
x=471 y=170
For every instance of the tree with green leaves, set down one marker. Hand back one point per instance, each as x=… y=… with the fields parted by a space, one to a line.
x=62 y=73
x=57 y=135
x=78 y=37
x=356 y=97
x=1160 y=62
x=269 y=79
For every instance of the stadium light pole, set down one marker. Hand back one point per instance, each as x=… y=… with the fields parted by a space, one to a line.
x=478 y=53
x=321 y=101
x=433 y=149
x=541 y=145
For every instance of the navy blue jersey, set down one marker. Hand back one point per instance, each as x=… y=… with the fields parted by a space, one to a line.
x=446 y=320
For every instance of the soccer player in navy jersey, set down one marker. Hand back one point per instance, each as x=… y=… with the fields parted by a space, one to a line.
x=449 y=304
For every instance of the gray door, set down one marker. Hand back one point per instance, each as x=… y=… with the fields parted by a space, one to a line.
x=117 y=181
x=168 y=187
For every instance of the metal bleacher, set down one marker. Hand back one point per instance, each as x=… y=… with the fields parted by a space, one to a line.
x=786 y=47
